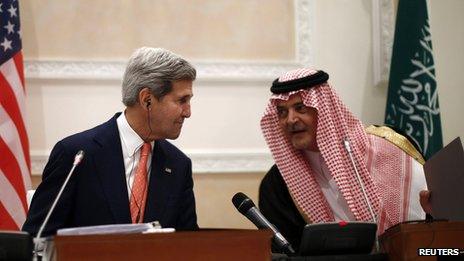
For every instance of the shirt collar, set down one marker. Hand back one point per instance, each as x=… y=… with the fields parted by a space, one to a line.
x=312 y=156
x=131 y=140
x=315 y=161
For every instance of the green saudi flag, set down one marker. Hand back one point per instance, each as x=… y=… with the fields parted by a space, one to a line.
x=412 y=103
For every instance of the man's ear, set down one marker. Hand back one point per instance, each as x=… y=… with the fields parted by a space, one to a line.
x=145 y=98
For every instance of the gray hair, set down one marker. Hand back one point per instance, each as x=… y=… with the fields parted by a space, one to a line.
x=156 y=69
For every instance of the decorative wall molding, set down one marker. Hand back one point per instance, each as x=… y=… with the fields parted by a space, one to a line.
x=230 y=161
x=207 y=71
x=113 y=70
x=74 y=70
x=304 y=22
x=38 y=162
x=203 y=161
x=383 y=30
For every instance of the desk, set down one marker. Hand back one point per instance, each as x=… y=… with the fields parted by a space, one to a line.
x=214 y=244
x=402 y=241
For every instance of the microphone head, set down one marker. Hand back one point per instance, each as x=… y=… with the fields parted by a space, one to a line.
x=242 y=202
x=80 y=153
x=78 y=158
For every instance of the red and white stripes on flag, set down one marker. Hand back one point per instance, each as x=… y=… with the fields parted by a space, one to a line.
x=15 y=177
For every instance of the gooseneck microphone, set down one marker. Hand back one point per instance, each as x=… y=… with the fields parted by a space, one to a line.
x=346 y=143
x=246 y=206
x=77 y=159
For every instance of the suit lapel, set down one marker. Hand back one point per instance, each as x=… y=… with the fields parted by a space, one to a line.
x=111 y=170
x=160 y=183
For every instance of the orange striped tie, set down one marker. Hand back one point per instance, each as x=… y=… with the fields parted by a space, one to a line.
x=139 y=187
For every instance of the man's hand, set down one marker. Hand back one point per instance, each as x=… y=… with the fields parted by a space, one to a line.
x=424 y=199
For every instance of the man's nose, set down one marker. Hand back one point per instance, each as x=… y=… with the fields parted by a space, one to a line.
x=186 y=112
x=292 y=117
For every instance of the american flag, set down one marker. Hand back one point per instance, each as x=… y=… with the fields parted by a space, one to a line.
x=15 y=177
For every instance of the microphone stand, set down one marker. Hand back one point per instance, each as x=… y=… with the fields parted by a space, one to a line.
x=77 y=159
x=346 y=142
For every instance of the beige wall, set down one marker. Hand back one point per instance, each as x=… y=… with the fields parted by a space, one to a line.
x=203 y=29
x=447 y=26
x=214 y=192
x=239 y=47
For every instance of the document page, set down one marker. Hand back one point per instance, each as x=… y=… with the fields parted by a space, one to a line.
x=444 y=173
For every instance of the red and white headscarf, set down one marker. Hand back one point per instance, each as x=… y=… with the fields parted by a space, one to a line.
x=380 y=164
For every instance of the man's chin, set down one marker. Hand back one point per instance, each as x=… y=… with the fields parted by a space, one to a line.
x=173 y=136
x=299 y=145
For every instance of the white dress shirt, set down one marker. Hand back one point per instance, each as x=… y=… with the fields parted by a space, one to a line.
x=329 y=188
x=131 y=144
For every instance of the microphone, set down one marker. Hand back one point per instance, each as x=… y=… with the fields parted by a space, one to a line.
x=246 y=206
x=77 y=160
x=346 y=143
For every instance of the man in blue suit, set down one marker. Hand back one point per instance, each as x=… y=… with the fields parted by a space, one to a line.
x=130 y=173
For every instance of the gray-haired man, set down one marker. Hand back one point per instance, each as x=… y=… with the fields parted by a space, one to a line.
x=130 y=173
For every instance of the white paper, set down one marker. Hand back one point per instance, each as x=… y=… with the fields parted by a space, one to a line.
x=114 y=229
